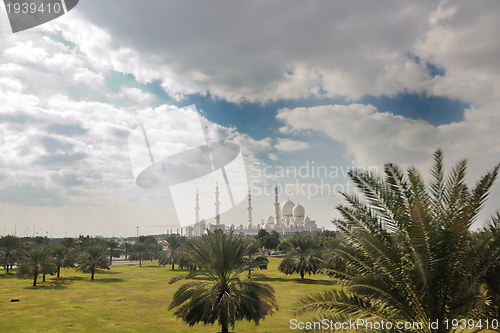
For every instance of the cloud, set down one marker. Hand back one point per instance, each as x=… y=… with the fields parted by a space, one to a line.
x=29 y=194
x=67 y=179
x=93 y=80
x=373 y=137
x=290 y=145
x=67 y=129
x=60 y=159
x=273 y=157
x=133 y=95
x=52 y=145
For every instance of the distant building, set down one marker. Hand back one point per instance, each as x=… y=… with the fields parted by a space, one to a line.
x=288 y=218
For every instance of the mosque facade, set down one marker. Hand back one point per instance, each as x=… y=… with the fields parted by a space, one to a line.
x=286 y=219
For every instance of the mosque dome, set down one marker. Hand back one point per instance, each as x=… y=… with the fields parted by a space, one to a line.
x=287 y=207
x=299 y=211
x=307 y=219
x=270 y=220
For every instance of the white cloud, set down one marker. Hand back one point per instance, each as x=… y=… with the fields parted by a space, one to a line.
x=273 y=157
x=134 y=95
x=290 y=145
x=93 y=80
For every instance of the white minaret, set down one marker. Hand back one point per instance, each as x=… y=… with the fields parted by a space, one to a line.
x=249 y=210
x=276 y=205
x=217 y=204
x=197 y=208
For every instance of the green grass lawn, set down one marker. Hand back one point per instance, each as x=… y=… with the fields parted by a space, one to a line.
x=129 y=298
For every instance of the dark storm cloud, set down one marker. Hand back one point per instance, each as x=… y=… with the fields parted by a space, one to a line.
x=251 y=43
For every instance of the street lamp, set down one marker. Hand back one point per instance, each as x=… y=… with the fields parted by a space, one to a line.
x=137 y=232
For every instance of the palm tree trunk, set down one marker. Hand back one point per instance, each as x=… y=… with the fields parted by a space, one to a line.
x=43 y=277
x=8 y=263
x=110 y=259
x=58 y=270
x=140 y=262
x=302 y=275
x=92 y=277
x=126 y=253
x=34 y=279
x=173 y=267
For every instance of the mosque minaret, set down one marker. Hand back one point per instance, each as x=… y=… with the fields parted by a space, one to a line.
x=288 y=218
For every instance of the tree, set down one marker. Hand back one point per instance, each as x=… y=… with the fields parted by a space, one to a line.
x=255 y=259
x=303 y=256
x=219 y=294
x=62 y=258
x=171 y=254
x=139 y=252
x=267 y=240
x=126 y=247
x=37 y=261
x=92 y=258
x=9 y=251
x=406 y=251
x=113 y=250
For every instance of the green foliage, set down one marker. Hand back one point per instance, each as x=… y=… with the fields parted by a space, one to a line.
x=171 y=254
x=304 y=259
x=407 y=254
x=255 y=258
x=63 y=258
x=92 y=258
x=267 y=240
x=113 y=248
x=218 y=293
x=37 y=261
x=10 y=251
x=139 y=252
x=126 y=246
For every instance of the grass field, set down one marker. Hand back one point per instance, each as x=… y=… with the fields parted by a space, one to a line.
x=129 y=298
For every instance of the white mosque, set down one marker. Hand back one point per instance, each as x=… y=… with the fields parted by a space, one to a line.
x=288 y=218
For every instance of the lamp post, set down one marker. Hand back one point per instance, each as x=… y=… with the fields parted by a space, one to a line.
x=138 y=233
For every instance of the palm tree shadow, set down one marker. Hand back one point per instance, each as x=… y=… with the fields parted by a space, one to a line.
x=49 y=285
x=96 y=280
x=263 y=278
x=105 y=271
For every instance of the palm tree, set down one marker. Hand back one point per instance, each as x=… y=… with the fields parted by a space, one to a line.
x=171 y=254
x=113 y=250
x=218 y=294
x=406 y=252
x=9 y=250
x=303 y=256
x=126 y=247
x=62 y=258
x=255 y=259
x=37 y=261
x=139 y=252
x=92 y=258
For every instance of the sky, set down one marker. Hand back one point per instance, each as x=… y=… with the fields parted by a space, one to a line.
x=307 y=90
